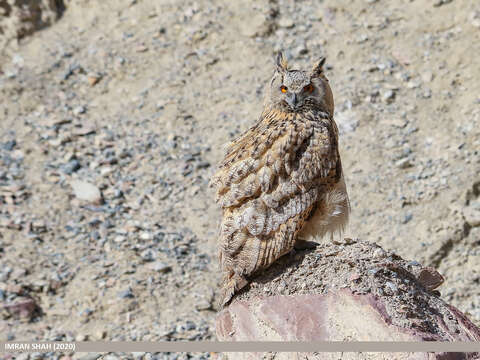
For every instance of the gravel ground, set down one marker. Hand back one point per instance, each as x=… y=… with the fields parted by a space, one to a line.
x=113 y=118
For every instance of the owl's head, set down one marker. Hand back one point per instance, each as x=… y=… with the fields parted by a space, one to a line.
x=297 y=90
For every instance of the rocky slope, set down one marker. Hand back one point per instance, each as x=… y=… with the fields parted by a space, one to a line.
x=113 y=119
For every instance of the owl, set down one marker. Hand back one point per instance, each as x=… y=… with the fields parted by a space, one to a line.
x=281 y=181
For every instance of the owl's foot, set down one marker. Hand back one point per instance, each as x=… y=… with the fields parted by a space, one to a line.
x=230 y=287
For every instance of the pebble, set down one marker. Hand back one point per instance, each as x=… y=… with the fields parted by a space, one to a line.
x=93 y=79
x=437 y=3
x=148 y=255
x=407 y=218
x=160 y=267
x=125 y=294
x=71 y=167
x=78 y=110
x=86 y=191
x=146 y=236
x=9 y=145
x=472 y=214
x=403 y=163
x=388 y=96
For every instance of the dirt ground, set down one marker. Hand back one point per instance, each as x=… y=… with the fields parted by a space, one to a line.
x=137 y=98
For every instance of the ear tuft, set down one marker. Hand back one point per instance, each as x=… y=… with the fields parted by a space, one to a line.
x=318 y=66
x=281 y=62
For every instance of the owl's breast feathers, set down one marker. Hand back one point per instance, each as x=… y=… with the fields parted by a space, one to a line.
x=280 y=157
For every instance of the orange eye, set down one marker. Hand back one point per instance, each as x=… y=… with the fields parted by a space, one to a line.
x=308 y=88
x=283 y=89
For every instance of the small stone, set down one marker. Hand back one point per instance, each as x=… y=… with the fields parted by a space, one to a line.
x=430 y=278
x=9 y=145
x=142 y=48
x=23 y=308
x=93 y=79
x=71 y=167
x=86 y=191
x=407 y=218
x=146 y=236
x=379 y=253
x=388 y=96
x=101 y=334
x=438 y=3
x=148 y=255
x=160 y=267
x=472 y=214
x=78 y=110
x=125 y=294
x=81 y=337
x=403 y=163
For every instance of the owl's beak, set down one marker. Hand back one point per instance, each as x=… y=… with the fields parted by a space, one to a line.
x=292 y=100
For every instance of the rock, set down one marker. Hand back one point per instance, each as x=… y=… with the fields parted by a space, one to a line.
x=472 y=214
x=125 y=294
x=148 y=255
x=403 y=163
x=9 y=145
x=86 y=191
x=390 y=304
x=22 y=308
x=146 y=236
x=388 y=96
x=438 y=3
x=71 y=167
x=78 y=110
x=160 y=267
x=93 y=79
x=407 y=218
x=430 y=278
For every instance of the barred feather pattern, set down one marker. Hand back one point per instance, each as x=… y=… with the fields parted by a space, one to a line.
x=268 y=186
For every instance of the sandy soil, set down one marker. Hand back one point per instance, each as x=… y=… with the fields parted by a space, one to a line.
x=138 y=97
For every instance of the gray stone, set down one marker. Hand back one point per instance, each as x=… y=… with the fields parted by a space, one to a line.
x=86 y=191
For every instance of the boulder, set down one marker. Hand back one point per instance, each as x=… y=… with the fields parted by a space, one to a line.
x=354 y=291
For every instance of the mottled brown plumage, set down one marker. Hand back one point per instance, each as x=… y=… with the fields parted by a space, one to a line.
x=282 y=179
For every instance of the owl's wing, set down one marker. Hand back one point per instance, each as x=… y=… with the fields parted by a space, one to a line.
x=270 y=180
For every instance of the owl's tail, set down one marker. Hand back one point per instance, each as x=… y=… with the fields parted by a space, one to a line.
x=232 y=283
